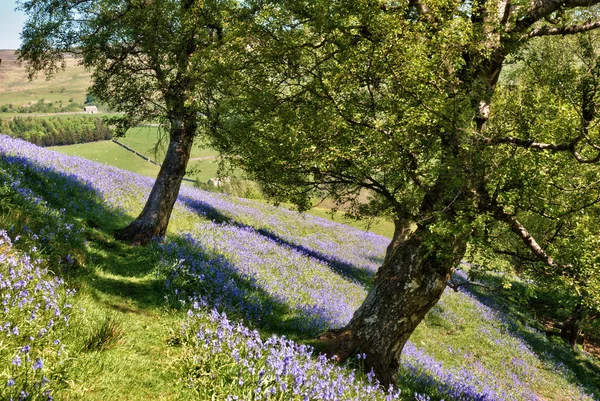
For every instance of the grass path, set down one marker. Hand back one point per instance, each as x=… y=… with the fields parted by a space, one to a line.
x=132 y=325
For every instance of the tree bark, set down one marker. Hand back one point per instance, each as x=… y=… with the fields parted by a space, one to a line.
x=410 y=282
x=154 y=219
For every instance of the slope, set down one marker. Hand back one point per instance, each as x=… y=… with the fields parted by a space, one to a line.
x=150 y=322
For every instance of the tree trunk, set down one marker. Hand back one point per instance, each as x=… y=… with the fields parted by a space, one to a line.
x=154 y=219
x=570 y=328
x=407 y=286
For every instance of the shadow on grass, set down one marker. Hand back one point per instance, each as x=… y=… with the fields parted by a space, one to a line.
x=342 y=268
x=196 y=272
x=552 y=350
x=120 y=275
x=103 y=265
x=65 y=191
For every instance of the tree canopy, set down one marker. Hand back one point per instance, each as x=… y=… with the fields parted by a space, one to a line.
x=150 y=60
x=405 y=100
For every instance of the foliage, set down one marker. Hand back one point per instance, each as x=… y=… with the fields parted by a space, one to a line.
x=549 y=96
x=55 y=131
x=42 y=107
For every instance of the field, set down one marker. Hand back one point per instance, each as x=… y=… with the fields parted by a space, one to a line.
x=16 y=89
x=143 y=140
x=203 y=315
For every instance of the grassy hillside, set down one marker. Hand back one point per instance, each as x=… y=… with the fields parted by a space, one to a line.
x=109 y=153
x=203 y=165
x=202 y=315
x=16 y=89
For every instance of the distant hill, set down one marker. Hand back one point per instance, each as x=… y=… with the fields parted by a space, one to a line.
x=16 y=89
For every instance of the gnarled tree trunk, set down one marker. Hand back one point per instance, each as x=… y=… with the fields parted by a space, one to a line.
x=154 y=219
x=410 y=282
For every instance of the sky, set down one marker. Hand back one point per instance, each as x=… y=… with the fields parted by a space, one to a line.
x=11 y=23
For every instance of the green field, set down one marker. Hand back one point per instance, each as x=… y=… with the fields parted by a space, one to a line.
x=379 y=225
x=110 y=153
x=141 y=139
x=144 y=140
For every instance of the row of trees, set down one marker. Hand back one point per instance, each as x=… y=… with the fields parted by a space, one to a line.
x=410 y=100
x=55 y=131
x=42 y=107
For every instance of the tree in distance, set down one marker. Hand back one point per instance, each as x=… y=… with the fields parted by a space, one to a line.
x=400 y=98
x=151 y=60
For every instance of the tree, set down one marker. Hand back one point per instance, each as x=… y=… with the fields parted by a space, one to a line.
x=398 y=98
x=553 y=90
x=150 y=60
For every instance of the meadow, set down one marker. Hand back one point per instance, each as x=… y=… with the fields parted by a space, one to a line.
x=228 y=306
x=203 y=166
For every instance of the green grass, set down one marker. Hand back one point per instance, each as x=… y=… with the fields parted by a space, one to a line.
x=117 y=285
x=110 y=153
x=118 y=341
x=145 y=138
x=125 y=344
x=379 y=225
x=142 y=139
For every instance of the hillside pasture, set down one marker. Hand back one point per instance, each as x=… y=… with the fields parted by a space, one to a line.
x=110 y=153
x=16 y=89
x=152 y=142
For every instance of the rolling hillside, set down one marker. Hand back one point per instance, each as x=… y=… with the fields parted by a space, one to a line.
x=16 y=89
x=228 y=306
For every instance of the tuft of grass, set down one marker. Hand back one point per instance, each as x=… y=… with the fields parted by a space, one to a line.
x=104 y=336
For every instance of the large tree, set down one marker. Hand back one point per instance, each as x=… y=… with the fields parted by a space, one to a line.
x=396 y=98
x=150 y=60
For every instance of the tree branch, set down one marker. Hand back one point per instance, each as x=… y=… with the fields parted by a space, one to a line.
x=565 y=30
x=553 y=147
x=515 y=255
x=486 y=203
x=531 y=144
x=543 y=8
